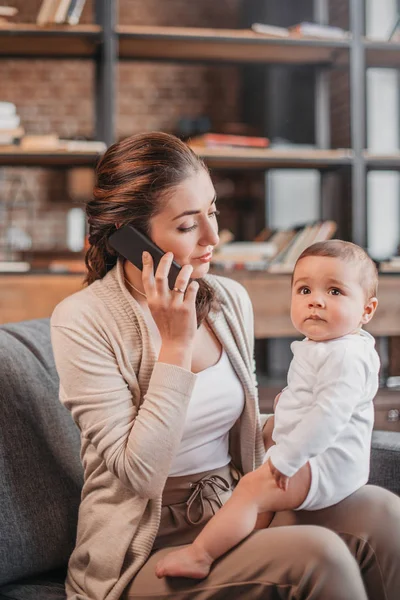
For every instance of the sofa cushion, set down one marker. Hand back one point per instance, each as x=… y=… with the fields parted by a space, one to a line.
x=40 y=469
x=50 y=586
x=385 y=460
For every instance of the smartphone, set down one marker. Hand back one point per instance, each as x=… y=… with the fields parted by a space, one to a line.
x=131 y=243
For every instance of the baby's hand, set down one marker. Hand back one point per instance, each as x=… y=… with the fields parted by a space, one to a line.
x=282 y=481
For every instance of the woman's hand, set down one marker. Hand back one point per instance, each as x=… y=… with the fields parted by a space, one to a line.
x=174 y=312
x=281 y=480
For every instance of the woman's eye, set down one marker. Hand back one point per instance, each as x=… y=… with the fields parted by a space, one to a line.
x=186 y=229
x=214 y=214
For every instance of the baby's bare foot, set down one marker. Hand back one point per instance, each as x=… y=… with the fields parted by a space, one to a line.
x=187 y=562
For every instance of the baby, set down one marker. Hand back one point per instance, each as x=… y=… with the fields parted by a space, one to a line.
x=323 y=418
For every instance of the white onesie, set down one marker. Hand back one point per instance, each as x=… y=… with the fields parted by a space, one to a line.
x=325 y=416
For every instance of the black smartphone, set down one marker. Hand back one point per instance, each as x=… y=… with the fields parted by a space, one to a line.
x=131 y=243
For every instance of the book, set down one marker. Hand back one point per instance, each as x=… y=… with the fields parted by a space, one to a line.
x=390 y=266
x=11 y=136
x=10 y=122
x=211 y=140
x=46 y=12
x=40 y=142
x=321 y=31
x=62 y=11
x=304 y=237
x=8 y=11
x=7 y=109
x=75 y=11
x=271 y=30
x=14 y=266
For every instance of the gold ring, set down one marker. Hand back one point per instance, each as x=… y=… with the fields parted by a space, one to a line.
x=176 y=289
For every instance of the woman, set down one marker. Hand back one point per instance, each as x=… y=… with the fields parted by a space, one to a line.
x=161 y=386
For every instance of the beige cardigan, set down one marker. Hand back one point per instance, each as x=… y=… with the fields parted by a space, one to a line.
x=131 y=410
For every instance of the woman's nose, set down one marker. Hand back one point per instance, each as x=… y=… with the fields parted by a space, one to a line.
x=210 y=236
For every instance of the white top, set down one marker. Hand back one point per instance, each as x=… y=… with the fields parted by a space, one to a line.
x=327 y=404
x=216 y=403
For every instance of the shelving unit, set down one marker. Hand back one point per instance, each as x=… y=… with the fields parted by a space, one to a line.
x=106 y=43
x=63 y=41
x=15 y=157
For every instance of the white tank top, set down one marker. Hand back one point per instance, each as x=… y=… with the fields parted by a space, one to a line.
x=216 y=404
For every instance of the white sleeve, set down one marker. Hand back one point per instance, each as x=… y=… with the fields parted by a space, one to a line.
x=339 y=387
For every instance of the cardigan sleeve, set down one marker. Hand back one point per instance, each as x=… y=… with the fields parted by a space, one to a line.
x=137 y=442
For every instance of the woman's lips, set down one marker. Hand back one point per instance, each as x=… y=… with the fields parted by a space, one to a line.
x=205 y=258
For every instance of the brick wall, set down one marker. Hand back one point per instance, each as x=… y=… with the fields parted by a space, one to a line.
x=57 y=96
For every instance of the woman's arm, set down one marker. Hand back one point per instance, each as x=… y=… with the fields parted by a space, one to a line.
x=136 y=437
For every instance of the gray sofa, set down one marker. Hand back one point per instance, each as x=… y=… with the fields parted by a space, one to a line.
x=40 y=470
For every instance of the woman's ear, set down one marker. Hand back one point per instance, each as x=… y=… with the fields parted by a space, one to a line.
x=369 y=310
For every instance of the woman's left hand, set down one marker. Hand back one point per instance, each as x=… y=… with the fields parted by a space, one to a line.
x=282 y=481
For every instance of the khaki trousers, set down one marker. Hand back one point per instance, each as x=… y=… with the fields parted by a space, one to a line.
x=350 y=551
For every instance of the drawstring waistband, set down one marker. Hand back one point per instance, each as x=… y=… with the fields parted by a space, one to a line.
x=216 y=483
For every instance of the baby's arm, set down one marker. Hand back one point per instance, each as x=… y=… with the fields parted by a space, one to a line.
x=340 y=383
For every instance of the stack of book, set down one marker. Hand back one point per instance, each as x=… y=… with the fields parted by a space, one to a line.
x=304 y=28
x=7 y=12
x=392 y=265
x=274 y=251
x=10 y=124
x=218 y=140
x=57 y=12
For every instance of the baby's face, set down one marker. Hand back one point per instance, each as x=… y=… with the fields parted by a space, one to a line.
x=328 y=300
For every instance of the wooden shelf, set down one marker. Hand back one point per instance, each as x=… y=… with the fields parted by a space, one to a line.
x=13 y=156
x=382 y=162
x=63 y=41
x=260 y=158
x=382 y=54
x=226 y=45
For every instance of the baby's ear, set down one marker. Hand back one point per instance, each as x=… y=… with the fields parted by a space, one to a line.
x=369 y=310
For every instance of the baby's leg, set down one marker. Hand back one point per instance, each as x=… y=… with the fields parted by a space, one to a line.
x=251 y=506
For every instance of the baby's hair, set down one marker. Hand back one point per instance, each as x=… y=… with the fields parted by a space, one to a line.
x=351 y=253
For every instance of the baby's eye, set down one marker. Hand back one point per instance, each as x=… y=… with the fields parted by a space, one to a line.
x=304 y=290
x=335 y=292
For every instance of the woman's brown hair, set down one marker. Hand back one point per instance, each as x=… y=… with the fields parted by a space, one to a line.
x=133 y=179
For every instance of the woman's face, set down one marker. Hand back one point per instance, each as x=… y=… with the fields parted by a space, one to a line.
x=187 y=225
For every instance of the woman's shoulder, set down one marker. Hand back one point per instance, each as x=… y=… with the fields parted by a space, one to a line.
x=73 y=308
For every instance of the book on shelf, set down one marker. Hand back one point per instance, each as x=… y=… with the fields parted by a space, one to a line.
x=75 y=10
x=249 y=255
x=392 y=265
x=278 y=253
x=304 y=28
x=9 y=137
x=216 y=140
x=60 y=11
x=6 y=13
x=40 y=142
x=46 y=12
x=14 y=266
x=304 y=237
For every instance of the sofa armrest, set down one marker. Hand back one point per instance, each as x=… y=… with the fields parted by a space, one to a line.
x=385 y=460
